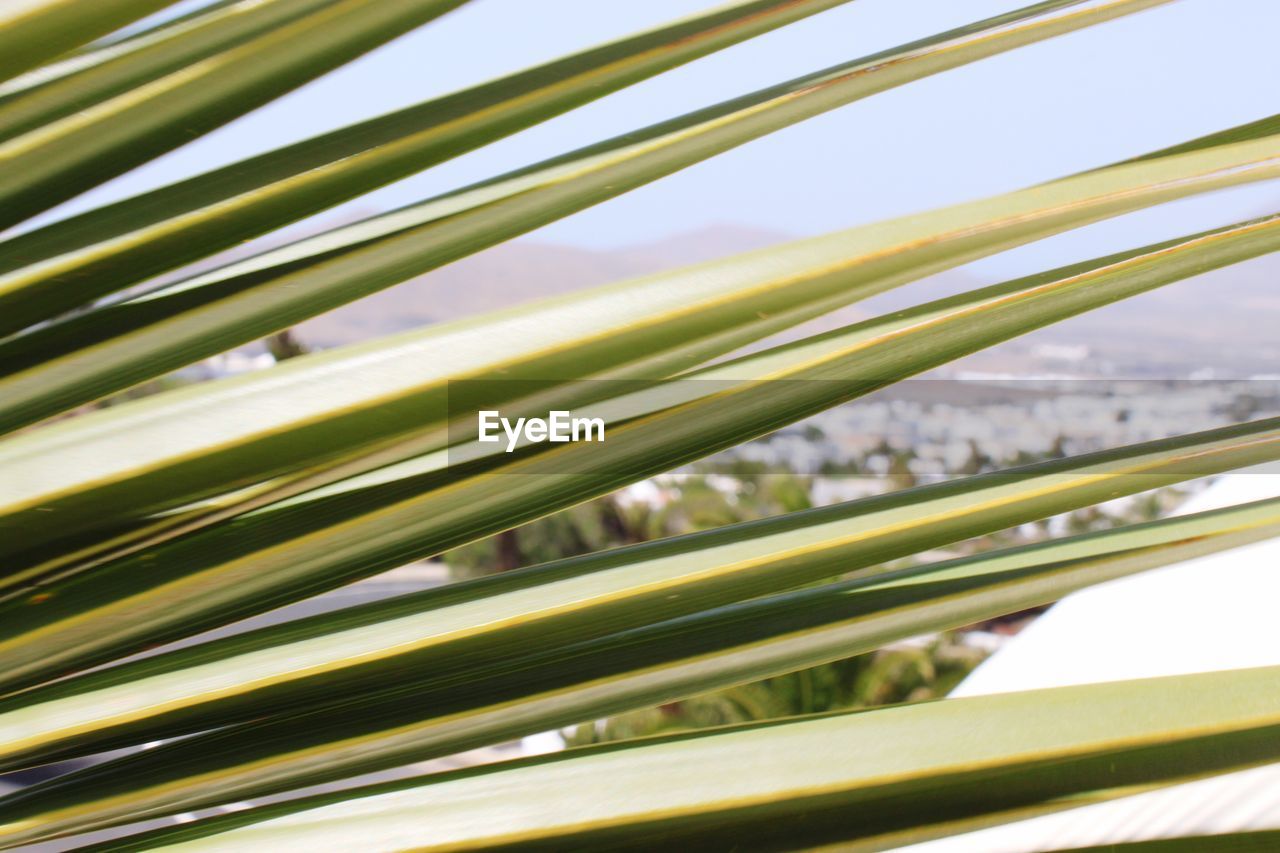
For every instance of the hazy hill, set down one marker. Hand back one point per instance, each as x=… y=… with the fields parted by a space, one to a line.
x=1224 y=320
x=519 y=271
x=526 y=270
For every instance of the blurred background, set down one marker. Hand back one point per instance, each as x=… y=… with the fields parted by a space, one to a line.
x=1203 y=351
x=1196 y=354
x=1151 y=80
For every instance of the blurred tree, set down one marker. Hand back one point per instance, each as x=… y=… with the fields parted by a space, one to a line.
x=900 y=674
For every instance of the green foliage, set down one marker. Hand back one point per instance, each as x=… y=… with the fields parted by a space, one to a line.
x=884 y=677
x=689 y=503
x=736 y=604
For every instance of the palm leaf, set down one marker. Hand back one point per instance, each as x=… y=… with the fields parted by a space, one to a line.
x=405 y=714
x=112 y=46
x=183 y=446
x=55 y=93
x=35 y=31
x=60 y=160
x=192 y=509
x=1051 y=293
x=422 y=506
x=880 y=777
x=200 y=316
x=118 y=607
x=67 y=263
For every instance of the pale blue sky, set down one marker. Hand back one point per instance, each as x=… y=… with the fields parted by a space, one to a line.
x=1082 y=100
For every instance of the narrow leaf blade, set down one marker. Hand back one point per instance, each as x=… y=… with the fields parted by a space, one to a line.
x=73 y=261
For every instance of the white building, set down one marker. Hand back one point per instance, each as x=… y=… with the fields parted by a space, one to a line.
x=1212 y=613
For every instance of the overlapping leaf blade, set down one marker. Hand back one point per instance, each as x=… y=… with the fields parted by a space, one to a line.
x=175 y=448
x=35 y=31
x=130 y=63
x=113 y=347
x=876 y=777
x=413 y=711
x=281 y=554
x=431 y=674
x=107 y=49
x=63 y=159
x=70 y=262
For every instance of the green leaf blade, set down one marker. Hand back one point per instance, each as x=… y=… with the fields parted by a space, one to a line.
x=35 y=31
x=60 y=161
x=216 y=311
x=133 y=62
x=864 y=260
x=494 y=618
x=877 y=777
x=422 y=508
x=107 y=249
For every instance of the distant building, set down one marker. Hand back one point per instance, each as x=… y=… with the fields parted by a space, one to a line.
x=1212 y=613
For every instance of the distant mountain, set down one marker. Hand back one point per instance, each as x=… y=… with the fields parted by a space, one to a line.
x=1226 y=307
x=519 y=272
x=1223 y=321
x=522 y=271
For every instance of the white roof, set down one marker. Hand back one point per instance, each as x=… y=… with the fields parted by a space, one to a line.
x=1212 y=613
